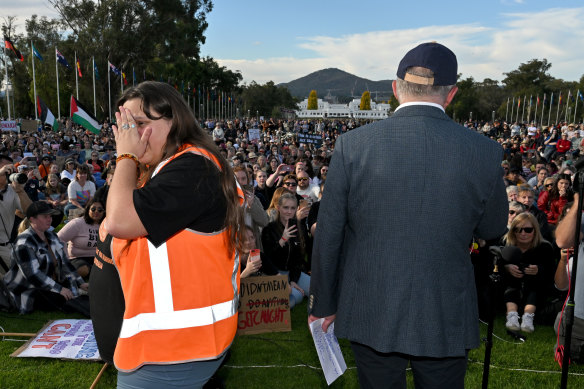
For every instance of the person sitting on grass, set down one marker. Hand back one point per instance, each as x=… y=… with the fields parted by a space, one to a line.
x=40 y=275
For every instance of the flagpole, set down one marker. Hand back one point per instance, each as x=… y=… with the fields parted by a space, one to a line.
x=523 y=110
x=558 y=110
x=518 y=105
x=543 y=106
x=7 y=82
x=76 y=76
x=122 y=79
x=57 y=71
x=36 y=115
x=535 y=114
x=109 y=92
x=512 y=107
x=576 y=105
x=94 y=103
x=529 y=108
x=550 y=112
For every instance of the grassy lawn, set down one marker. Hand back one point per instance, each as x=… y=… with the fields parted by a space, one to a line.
x=289 y=360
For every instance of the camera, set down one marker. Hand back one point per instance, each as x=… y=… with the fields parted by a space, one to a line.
x=19 y=178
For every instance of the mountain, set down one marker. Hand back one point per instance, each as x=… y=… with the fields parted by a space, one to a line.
x=339 y=84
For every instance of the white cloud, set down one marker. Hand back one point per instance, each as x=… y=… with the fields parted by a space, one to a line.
x=482 y=51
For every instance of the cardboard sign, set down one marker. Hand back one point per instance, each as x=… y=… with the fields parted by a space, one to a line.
x=63 y=339
x=264 y=305
x=29 y=125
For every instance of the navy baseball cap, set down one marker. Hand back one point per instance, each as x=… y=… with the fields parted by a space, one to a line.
x=434 y=56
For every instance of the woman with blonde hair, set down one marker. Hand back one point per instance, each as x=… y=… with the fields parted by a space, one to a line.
x=528 y=263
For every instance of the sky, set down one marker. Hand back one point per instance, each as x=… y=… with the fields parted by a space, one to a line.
x=280 y=41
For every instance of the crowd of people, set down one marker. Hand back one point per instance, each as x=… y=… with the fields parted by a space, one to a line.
x=61 y=180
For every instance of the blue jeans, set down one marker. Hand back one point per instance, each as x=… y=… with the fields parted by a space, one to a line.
x=304 y=283
x=191 y=375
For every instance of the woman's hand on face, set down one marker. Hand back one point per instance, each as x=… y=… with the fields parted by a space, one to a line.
x=128 y=139
x=514 y=271
x=531 y=270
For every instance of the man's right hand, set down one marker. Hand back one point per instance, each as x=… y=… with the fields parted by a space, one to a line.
x=328 y=320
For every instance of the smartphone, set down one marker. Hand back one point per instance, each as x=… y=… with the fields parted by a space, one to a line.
x=288 y=168
x=254 y=255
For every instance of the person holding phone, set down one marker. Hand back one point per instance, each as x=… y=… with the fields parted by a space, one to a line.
x=284 y=242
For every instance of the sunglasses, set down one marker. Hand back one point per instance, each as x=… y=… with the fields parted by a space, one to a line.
x=94 y=209
x=303 y=179
x=290 y=184
x=527 y=230
x=512 y=212
x=548 y=185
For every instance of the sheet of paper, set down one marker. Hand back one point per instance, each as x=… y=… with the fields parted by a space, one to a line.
x=329 y=352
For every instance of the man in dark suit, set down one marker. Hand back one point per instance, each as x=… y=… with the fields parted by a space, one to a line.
x=391 y=263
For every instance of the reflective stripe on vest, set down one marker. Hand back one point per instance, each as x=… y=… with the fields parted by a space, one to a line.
x=165 y=317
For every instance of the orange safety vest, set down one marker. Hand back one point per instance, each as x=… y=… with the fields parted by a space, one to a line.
x=181 y=297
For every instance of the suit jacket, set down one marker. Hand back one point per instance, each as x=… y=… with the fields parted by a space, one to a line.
x=403 y=199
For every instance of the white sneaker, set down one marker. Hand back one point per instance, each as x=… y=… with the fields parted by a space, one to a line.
x=527 y=322
x=513 y=321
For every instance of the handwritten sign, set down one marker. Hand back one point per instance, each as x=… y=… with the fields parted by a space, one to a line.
x=9 y=125
x=63 y=339
x=328 y=350
x=314 y=139
x=264 y=305
x=254 y=135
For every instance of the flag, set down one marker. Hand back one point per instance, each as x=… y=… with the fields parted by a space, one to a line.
x=544 y=98
x=124 y=77
x=133 y=76
x=560 y=102
x=537 y=104
x=46 y=115
x=81 y=116
x=114 y=69
x=79 y=68
x=36 y=53
x=518 y=102
x=95 y=71
x=572 y=98
x=61 y=59
x=10 y=46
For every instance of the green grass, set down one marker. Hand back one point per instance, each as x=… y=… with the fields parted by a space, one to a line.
x=288 y=360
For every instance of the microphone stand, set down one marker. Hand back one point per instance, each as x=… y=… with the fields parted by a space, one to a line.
x=494 y=281
x=569 y=310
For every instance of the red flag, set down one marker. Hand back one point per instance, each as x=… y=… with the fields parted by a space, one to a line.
x=79 y=68
x=538 y=100
x=10 y=46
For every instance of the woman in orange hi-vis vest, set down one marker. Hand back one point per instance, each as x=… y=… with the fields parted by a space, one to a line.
x=166 y=277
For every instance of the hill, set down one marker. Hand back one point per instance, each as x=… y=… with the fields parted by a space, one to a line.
x=339 y=84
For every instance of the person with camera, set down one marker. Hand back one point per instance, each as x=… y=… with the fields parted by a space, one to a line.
x=528 y=264
x=13 y=201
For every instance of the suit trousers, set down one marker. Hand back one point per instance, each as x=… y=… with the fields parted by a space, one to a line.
x=388 y=370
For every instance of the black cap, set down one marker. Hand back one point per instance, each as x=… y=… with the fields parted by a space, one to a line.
x=40 y=208
x=434 y=56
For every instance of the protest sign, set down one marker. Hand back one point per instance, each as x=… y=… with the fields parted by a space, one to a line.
x=29 y=125
x=314 y=139
x=264 y=305
x=254 y=135
x=9 y=125
x=63 y=339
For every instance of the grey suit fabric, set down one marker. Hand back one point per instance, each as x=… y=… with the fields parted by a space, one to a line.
x=402 y=201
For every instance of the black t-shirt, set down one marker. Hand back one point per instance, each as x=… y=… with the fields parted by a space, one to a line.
x=186 y=193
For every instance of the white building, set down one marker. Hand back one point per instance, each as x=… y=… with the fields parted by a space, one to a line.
x=327 y=110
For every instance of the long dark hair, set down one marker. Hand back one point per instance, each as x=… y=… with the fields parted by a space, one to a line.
x=555 y=193
x=160 y=100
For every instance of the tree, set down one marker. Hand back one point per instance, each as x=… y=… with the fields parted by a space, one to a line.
x=393 y=103
x=365 y=101
x=312 y=100
x=266 y=99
